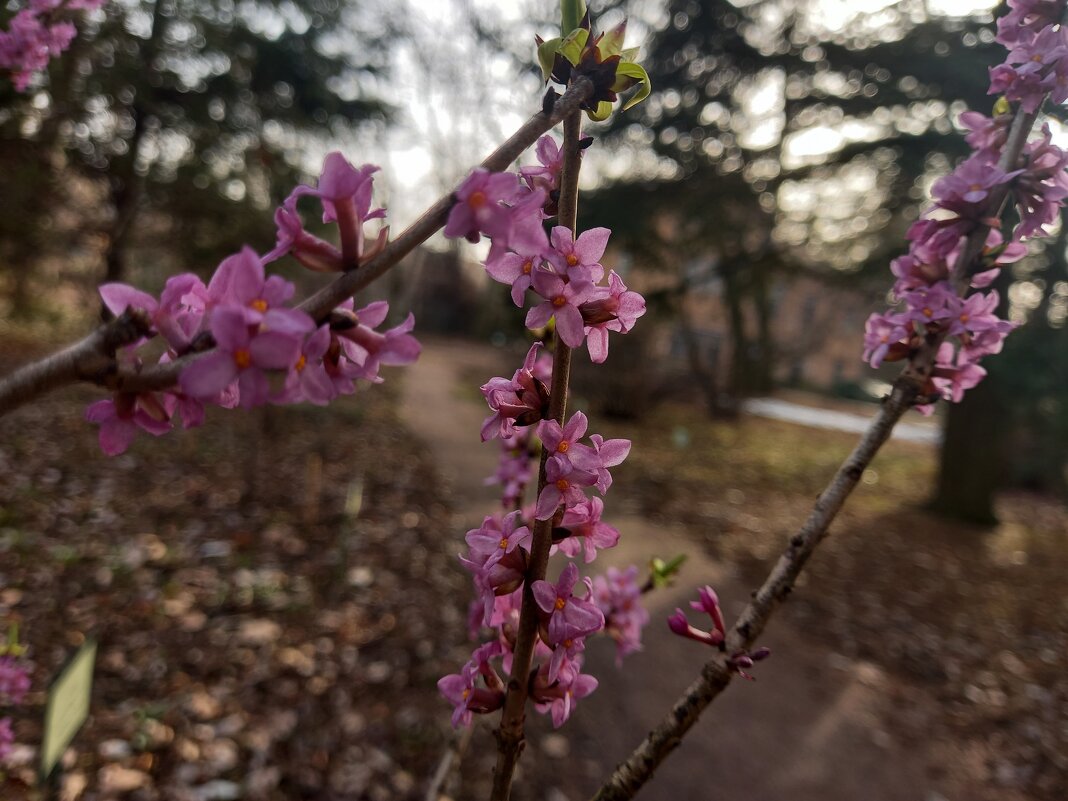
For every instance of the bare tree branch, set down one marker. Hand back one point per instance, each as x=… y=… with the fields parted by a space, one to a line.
x=91 y=359
x=638 y=768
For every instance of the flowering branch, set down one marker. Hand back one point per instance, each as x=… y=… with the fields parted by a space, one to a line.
x=510 y=733
x=92 y=359
x=913 y=385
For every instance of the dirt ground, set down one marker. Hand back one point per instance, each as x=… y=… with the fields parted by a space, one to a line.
x=267 y=592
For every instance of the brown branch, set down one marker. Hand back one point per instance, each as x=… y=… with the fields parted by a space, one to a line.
x=510 y=734
x=91 y=359
x=81 y=361
x=630 y=775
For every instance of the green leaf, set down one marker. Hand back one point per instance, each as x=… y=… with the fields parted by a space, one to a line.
x=611 y=43
x=571 y=14
x=631 y=70
x=573 y=44
x=547 y=55
x=663 y=572
x=603 y=112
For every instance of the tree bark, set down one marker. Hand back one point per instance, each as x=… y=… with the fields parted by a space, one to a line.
x=973 y=454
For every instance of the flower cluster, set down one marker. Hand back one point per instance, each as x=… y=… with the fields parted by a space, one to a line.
x=966 y=205
x=14 y=684
x=37 y=33
x=265 y=351
x=618 y=596
x=708 y=602
x=564 y=272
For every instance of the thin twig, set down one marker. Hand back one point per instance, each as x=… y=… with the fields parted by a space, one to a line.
x=81 y=361
x=450 y=761
x=638 y=768
x=510 y=734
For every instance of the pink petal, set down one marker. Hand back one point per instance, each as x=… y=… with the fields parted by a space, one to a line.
x=590 y=245
x=569 y=325
x=119 y=297
x=208 y=376
x=275 y=350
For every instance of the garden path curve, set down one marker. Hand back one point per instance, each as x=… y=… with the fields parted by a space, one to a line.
x=812 y=728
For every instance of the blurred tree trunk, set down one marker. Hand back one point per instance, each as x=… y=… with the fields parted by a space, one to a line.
x=750 y=371
x=971 y=468
x=703 y=372
x=127 y=184
x=974 y=447
x=761 y=372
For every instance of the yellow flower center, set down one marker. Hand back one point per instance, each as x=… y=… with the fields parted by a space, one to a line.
x=259 y=304
x=503 y=543
x=528 y=265
x=927 y=312
x=563 y=446
x=302 y=362
x=560 y=603
x=572 y=260
x=477 y=200
x=559 y=301
x=242 y=358
x=562 y=484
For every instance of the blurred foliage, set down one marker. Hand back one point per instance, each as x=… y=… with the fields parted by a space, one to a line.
x=808 y=136
x=793 y=137
x=177 y=123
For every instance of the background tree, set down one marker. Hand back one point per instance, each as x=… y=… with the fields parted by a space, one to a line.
x=172 y=120
x=815 y=135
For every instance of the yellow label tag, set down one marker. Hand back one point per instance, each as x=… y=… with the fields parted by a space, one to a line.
x=68 y=706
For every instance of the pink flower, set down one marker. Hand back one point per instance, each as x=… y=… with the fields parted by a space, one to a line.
x=14 y=680
x=365 y=349
x=307 y=379
x=345 y=193
x=881 y=333
x=244 y=352
x=478 y=208
x=494 y=539
x=122 y=416
x=707 y=602
x=558 y=697
x=606 y=453
x=588 y=532
x=569 y=617
x=618 y=596
x=177 y=316
x=311 y=251
x=562 y=444
x=611 y=308
x=240 y=281
x=563 y=485
x=562 y=300
x=546 y=176
x=514 y=269
x=579 y=258
x=520 y=401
